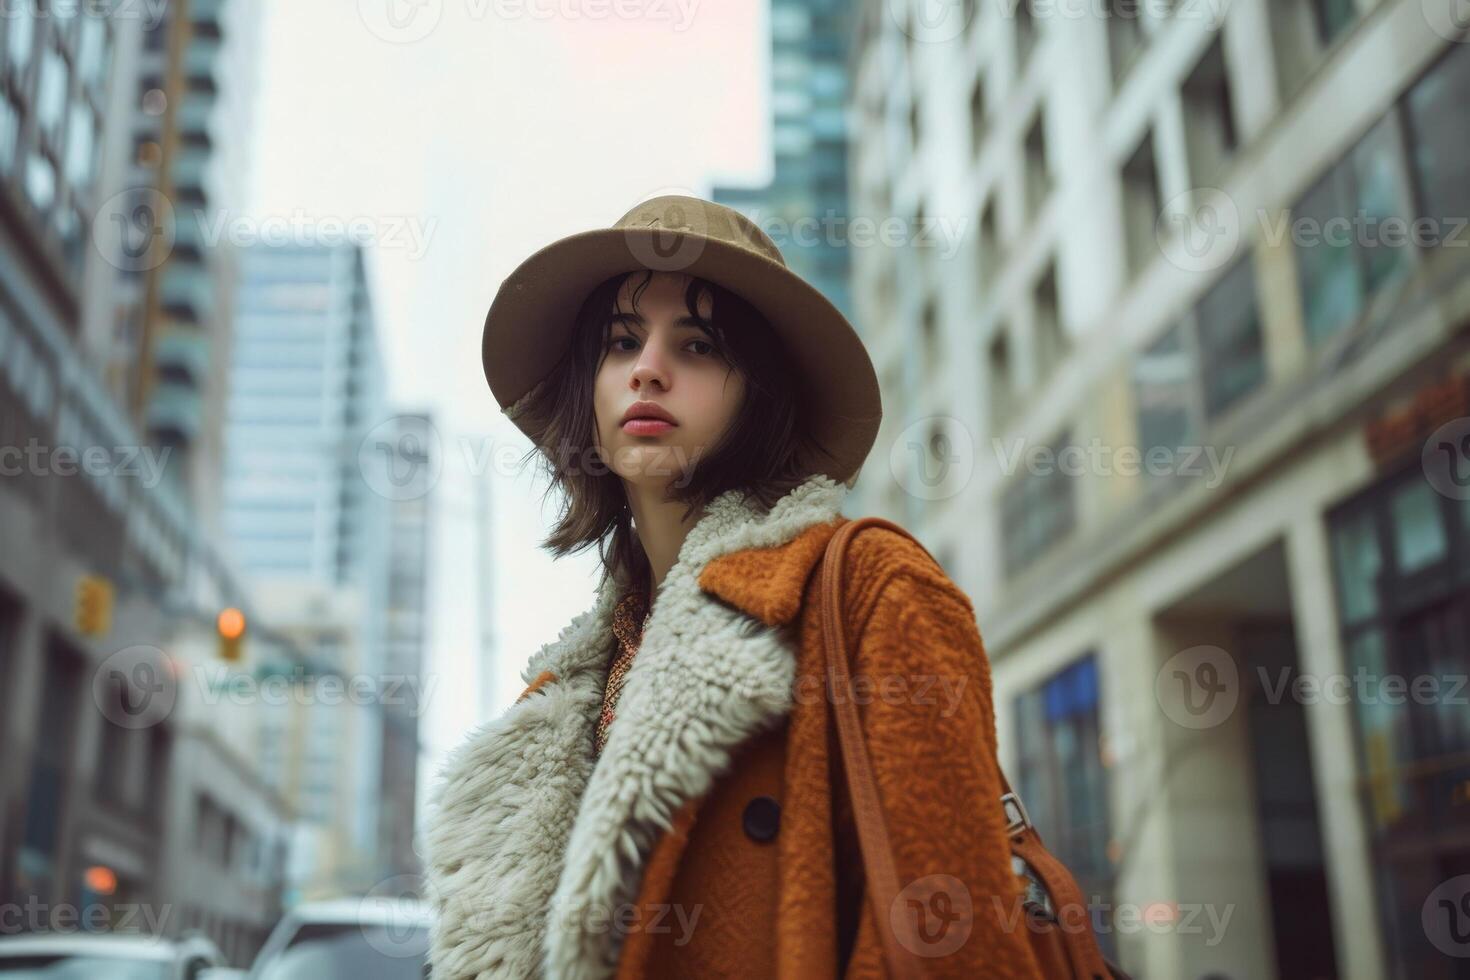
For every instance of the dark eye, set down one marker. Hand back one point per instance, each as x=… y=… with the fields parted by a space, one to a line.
x=613 y=344
x=706 y=343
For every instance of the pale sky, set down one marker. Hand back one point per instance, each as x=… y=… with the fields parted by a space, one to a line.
x=469 y=133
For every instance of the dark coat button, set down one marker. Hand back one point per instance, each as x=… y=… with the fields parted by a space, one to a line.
x=762 y=818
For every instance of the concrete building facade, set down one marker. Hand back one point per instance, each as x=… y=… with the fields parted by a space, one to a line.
x=1180 y=401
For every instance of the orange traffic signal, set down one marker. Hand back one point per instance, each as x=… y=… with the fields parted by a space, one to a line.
x=231 y=627
x=93 y=613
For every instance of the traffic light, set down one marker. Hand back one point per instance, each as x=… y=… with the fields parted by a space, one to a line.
x=231 y=628
x=93 y=614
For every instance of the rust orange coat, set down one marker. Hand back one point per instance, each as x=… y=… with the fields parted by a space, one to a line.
x=711 y=899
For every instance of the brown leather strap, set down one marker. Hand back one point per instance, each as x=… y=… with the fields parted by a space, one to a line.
x=1084 y=956
x=1083 y=952
x=867 y=808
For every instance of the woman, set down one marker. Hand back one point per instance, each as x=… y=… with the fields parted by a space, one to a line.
x=664 y=799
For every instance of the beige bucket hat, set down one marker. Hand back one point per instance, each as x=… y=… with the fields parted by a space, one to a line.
x=531 y=320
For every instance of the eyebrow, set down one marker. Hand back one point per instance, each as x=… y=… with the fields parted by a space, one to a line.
x=686 y=321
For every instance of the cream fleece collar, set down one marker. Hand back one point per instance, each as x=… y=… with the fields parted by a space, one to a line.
x=534 y=844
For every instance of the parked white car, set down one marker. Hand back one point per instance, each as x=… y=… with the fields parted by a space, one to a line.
x=106 y=956
x=348 y=939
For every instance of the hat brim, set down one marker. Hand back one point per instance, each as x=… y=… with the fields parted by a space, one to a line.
x=532 y=317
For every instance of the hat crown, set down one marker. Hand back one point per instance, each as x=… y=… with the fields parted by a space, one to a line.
x=681 y=214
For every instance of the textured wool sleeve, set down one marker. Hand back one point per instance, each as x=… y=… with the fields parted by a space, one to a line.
x=922 y=684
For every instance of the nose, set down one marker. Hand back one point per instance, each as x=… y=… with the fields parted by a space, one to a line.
x=649 y=368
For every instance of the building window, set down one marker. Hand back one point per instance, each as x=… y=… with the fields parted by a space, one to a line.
x=1209 y=117
x=1343 y=254
x=1231 y=354
x=1038 y=508
x=1332 y=17
x=1062 y=778
x=1302 y=32
x=10 y=117
x=978 y=112
x=51 y=766
x=51 y=93
x=92 y=50
x=1037 y=171
x=20 y=35
x=80 y=140
x=929 y=331
x=41 y=181
x=1051 y=342
x=1166 y=393
x=1025 y=34
x=121 y=755
x=155 y=35
x=1438 y=120
x=9 y=631
x=998 y=378
x=1125 y=35
x=1202 y=366
x=1142 y=203
x=989 y=241
x=1401 y=567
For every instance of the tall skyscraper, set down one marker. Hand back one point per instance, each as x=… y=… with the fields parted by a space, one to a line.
x=805 y=206
x=309 y=531
x=162 y=325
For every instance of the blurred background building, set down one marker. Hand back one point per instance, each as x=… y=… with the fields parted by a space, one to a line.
x=1143 y=189
x=149 y=766
x=317 y=541
x=803 y=205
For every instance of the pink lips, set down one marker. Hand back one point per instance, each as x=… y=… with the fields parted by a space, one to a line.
x=647 y=427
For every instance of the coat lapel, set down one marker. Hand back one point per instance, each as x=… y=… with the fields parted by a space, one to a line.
x=530 y=837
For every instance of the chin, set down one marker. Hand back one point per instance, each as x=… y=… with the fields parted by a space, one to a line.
x=636 y=459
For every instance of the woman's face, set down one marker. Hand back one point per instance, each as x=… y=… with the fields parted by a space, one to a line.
x=661 y=354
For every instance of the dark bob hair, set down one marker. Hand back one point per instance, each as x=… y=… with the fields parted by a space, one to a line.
x=759 y=454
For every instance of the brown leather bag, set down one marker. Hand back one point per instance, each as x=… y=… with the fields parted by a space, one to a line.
x=1069 y=953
